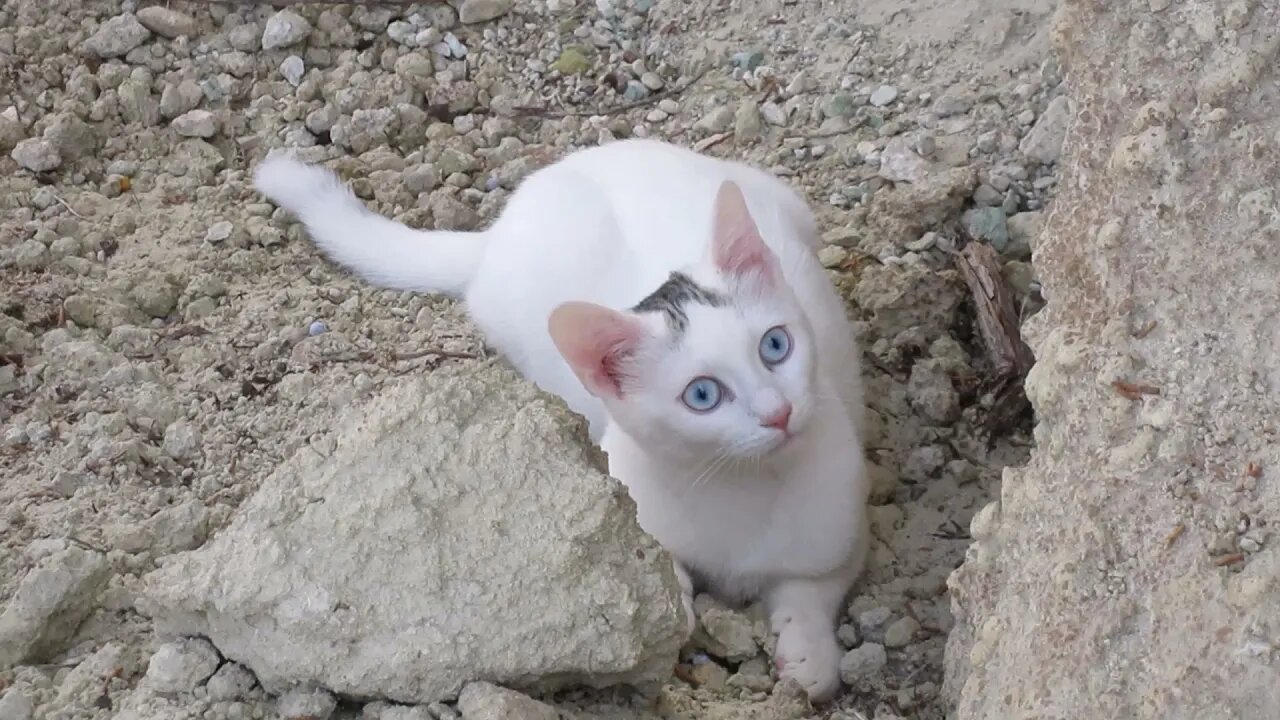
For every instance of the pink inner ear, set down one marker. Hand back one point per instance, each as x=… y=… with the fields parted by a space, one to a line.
x=737 y=246
x=595 y=341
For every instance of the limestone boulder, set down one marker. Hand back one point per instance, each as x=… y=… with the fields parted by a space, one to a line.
x=460 y=529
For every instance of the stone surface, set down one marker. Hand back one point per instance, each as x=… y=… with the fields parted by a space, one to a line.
x=1130 y=525
x=181 y=666
x=232 y=681
x=36 y=155
x=1043 y=143
x=485 y=701
x=861 y=664
x=477 y=11
x=116 y=37
x=306 y=704
x=343 y=568
x=284 y=29
x=167 y=22
x=196 y=123
x=15 y=705
x=49 y=604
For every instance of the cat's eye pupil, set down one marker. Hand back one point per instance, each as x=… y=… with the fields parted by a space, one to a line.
x=702 y=394
x=775 y=346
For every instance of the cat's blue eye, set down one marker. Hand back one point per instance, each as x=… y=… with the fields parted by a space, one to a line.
x=702 y=395
x=775 y=346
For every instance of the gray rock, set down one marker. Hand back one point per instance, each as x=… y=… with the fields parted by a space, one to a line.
x=233 y=681
x=730 y=633
x=1024 y=228
x=1043 y=143
x=136 y=103
x=71 y=136
x=366 y=129
x=15 y=705
x=246 y=37
x=635 y=91
x=284 y=29
x=774 y=114
x=839 y=105
x=36 y=155
x=871 y=622
x=477 y=11
x=421 y=178
x=901 y=632
x=485 y=701
x=322 y=119
x=987 y=224
x=718 y=120
x=931 y=393
x=987 y=196
x=11 y=131
x=899 y=163
x=180 y=666
x=181 y=440
x=116 y=37
x=306 y=704
x=155 y=296
x=388 y=711
x=883 y=95
x=292 y=70
x=49 y=604
x=167 y=22
x=747 y=60
x=547 y=584
x=747 y=123
x=196 y=123
x=862 y=665
x=219 y=231
x=179 y=98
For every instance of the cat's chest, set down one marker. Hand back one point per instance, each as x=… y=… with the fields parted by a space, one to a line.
x=754 y=524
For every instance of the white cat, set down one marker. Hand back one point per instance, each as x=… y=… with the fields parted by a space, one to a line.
x=676 y=301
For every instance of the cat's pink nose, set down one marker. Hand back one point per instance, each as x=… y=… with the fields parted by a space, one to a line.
x=778 y=419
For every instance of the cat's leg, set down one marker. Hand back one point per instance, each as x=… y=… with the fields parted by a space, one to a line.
x=802 y=614
x=686 y=597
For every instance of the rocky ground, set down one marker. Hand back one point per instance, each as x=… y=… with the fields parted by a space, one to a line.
x=168 y=339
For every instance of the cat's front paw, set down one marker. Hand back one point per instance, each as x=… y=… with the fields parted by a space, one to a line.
x=811 y=656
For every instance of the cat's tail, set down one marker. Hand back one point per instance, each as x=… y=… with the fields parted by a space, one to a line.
x=382 y=251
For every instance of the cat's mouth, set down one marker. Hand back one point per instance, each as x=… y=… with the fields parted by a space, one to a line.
x=785 y=439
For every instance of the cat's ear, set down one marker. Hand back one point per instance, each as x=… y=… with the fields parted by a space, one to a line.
x=736 y=247
x=596 y=342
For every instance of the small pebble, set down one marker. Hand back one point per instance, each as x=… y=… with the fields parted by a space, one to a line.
x=901 y=632
x=306 y=704
x=862 y=664
x=292 y=69
x=219 y=231
x=884 y=95
x=317 y=327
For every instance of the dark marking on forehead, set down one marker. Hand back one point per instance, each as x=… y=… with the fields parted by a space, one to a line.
x=673 y=295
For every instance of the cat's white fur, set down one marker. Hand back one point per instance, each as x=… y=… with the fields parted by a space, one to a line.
x=748 y=508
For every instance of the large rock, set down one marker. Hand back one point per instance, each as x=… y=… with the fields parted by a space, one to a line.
x=461 y=529
x=49 y=604
x=1131 y=570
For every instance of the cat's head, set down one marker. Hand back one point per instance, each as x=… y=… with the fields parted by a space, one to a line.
x=718 y=361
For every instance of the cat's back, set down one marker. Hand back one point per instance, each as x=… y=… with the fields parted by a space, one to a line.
x=664 y=191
